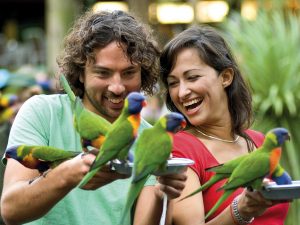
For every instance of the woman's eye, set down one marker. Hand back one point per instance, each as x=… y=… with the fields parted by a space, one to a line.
x=172 y=83
x=194 y=77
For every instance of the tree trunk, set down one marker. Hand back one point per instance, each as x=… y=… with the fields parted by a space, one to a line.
x=140 y=9
x=59 y=17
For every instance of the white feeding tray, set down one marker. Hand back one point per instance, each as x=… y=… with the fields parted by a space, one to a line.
x=273 y=191
x=175 y=165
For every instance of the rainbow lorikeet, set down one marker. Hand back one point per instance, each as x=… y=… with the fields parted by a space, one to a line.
x=120 y=136
x=251 y=171
x=7 y=100
x=41 y=158
x=153 y=148
x=90 y=126
x=224 y=171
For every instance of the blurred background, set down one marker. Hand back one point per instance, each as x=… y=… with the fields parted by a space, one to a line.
x=263 y=34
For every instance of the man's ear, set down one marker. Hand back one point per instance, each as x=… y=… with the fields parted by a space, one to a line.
x=227 y=77
x=81 y=78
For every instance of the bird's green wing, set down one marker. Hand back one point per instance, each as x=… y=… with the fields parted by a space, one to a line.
x=229 y=166
x=256 y=166
x=51 y=154
x=119 y=138
x=88 y=124
x=152 y=152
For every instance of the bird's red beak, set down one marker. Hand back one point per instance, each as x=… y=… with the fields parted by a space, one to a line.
x=144 y=103
x=183 y=123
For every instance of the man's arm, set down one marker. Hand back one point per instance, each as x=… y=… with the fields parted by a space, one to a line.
x=27 y=195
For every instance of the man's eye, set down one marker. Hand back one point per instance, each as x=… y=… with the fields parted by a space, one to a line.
x=129 y=73
x=103 y=73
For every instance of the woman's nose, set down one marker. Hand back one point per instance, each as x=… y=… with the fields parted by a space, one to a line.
x=184 y=90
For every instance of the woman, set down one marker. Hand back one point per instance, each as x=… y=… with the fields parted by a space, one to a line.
x=204 y=83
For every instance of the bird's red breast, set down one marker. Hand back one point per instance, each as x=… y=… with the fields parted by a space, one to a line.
x=30 y=162
x=135 y=121
x=274 y=159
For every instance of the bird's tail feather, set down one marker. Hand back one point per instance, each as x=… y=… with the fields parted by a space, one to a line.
x=212 y=168
x=133 y=192
x=226 y=194
x=206 y=185
x=87 y=177
x=67 y=88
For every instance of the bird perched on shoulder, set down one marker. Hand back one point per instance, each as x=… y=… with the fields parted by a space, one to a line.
x=120 y=136
x=253 y=168
x=153 y=148
x=90 y=126
x=41 y=158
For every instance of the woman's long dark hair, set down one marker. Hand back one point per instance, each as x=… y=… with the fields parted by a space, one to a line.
x=214 y=51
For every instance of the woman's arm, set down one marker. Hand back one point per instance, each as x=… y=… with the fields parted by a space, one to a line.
x=191 y=210
x=150 y=202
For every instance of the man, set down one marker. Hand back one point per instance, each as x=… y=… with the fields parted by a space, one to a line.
x=106 y=56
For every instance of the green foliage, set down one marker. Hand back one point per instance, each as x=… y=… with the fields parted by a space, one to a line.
x=267 y=52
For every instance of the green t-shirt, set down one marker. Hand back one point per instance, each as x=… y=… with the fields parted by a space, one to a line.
x=47 y=120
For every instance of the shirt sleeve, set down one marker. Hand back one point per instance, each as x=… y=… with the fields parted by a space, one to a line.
x=29 y=126
x=185 y=147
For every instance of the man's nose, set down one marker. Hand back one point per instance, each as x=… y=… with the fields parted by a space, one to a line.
x=116 y=85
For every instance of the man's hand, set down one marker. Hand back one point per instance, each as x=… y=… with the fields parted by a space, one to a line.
x=103 y=177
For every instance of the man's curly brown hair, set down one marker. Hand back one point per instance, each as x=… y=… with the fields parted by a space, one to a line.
x=95 y=31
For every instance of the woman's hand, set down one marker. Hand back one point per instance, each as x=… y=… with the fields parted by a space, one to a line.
x=253 y=204
x=172 y=185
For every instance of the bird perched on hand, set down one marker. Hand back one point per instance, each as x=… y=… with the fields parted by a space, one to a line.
x=251 y=171
x=120 y=136
x=153 y=148
x=224 y=171
x=90 y=126
x=41 y=158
